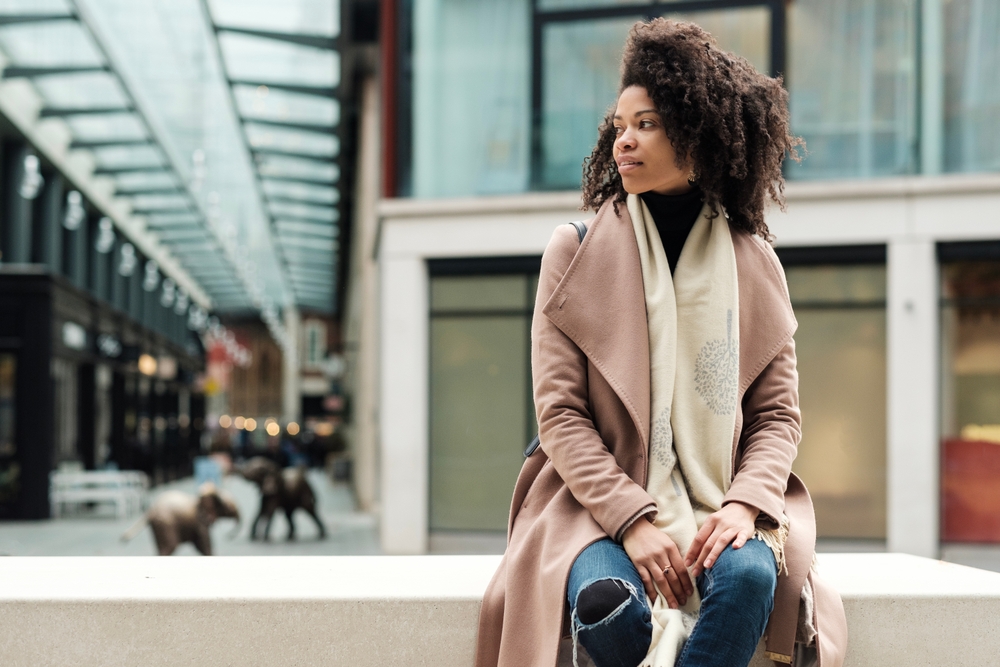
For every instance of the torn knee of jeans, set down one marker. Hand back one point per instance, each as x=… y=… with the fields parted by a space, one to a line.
x=601 y=599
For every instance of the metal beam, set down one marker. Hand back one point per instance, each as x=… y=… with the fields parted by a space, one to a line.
x=298 y=181
x=316 y=91
x=148 y=191
x=62 y=112
x=276 y=152
x=288 y=234
x=15 y=19
x=109 y=143
x=124 y=169
x=301 y=200
x=158 y=211
x=17 y=72
x=314 y=41
x=302 y=218
x=290 y=125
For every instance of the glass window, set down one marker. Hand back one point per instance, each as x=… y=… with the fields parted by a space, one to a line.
x=471 y=105
x=580 y=77
x=972 y=85
x=840 y=344
x=852 y=80
x=481 y=410
x=581 y=61
x=970 y=402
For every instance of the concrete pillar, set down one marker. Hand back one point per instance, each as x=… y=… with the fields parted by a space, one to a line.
x=291 y=393
x=913 y=485
x=360 y=318
x=403 y=410
x=16 y=216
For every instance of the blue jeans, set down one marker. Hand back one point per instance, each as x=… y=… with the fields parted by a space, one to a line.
x=737 y=595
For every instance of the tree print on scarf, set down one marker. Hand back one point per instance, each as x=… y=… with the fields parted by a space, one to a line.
x=716 y=371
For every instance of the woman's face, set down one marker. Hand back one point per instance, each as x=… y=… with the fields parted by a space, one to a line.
x=644 y=154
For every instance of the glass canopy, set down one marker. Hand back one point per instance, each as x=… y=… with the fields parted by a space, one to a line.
x=215 y=120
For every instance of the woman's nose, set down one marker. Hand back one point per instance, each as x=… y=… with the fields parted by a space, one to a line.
x=625 y=141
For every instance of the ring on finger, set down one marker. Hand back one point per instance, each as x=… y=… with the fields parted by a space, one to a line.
x=665 y=570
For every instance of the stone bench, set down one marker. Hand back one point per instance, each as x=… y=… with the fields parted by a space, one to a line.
x=402 y=611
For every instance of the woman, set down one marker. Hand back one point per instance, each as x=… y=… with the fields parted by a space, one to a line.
x=659 y=523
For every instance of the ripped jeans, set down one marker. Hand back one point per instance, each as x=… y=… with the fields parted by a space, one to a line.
x=610 y=616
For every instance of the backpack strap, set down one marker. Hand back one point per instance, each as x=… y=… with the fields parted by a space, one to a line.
x=581 y=231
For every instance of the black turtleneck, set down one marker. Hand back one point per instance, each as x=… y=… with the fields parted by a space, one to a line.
x=674 y=216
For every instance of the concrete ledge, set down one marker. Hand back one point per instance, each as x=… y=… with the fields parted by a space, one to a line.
x=405 y=610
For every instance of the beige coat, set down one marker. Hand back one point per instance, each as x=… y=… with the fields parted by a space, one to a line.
x=590 y=364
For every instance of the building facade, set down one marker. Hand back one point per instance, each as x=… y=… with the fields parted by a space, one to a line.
x=97 y=363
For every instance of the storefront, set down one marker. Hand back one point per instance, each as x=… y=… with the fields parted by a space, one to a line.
x=97 y=365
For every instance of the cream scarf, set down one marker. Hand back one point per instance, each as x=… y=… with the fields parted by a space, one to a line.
x=694 y=356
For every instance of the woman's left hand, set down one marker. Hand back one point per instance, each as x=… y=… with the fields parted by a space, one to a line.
x=734 y=524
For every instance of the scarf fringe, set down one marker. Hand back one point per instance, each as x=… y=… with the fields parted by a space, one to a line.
x=775 y=539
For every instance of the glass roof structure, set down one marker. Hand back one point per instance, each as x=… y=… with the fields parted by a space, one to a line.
x=214 y=120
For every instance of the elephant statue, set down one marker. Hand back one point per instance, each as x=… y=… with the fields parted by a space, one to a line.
x=178 y=517
x=285 y=488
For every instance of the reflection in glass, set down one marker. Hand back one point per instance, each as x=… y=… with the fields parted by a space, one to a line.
x=852 y=80
x=472 y=92
x=840 y=345
x=972 y=85
x=580 y=73
x=970 y=402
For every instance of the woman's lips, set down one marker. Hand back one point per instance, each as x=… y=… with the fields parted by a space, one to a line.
x=625 y=166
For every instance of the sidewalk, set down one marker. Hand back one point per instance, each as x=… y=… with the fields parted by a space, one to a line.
x=97 y=533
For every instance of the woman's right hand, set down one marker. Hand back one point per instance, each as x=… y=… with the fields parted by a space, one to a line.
x=651 y=551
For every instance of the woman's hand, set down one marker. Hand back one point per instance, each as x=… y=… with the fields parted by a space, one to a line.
x=651 y=551
x=734 y=524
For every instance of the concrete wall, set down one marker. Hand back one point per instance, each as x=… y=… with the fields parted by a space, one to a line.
x=909 y=215
x=902 y=611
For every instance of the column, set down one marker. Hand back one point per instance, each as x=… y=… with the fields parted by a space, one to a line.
x=291 y=394
x=49 y=247
x=912 y=345
x=76 y=254
x=403 y=411
x=15 y=223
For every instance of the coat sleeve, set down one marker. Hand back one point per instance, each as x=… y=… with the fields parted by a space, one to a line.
x=565 y=423
x=772 y=428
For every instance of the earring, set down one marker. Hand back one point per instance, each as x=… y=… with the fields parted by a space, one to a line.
x=692 y=177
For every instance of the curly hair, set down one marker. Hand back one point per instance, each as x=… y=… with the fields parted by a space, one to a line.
x=724 y=118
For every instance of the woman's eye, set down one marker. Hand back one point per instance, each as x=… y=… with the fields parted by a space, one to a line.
x=646 y=123
x=618 y=130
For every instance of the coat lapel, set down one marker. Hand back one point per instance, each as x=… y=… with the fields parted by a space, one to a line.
x=767 y=322
x=600 y=305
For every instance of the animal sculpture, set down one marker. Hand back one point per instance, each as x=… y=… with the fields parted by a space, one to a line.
x=286 y=488
x=177 y=517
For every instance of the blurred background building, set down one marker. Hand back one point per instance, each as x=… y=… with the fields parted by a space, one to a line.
x=230 y=223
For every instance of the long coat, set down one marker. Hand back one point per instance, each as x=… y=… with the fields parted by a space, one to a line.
x=590 y=364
